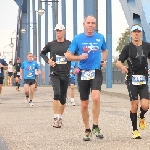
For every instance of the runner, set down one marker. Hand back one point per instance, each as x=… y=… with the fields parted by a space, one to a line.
x=28 y=70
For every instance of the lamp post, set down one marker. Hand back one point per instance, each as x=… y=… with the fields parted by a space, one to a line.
x=42 y=11
x=23 y=30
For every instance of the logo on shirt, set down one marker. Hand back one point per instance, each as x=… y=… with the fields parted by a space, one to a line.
x=90 y=48
x=98 y=40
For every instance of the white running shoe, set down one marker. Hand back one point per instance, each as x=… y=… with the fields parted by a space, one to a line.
x=30 y=104
x=72 y=102
x=57 y=123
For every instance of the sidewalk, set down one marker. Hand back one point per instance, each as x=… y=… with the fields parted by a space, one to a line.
x=119 y=90
x=30 y=128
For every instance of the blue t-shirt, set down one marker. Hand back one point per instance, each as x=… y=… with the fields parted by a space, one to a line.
x=93 y=45
x=73 y=65
x=29 y=69
x=3 y=62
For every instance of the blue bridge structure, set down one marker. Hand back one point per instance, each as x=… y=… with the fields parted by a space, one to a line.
x=136 y=11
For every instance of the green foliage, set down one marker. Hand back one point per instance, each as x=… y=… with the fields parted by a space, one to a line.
x=123 y=40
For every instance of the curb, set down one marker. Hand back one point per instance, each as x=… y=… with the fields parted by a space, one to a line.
x=115 y=94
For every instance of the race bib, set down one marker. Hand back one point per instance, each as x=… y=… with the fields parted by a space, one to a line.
x=138 y=79
x=18 y=73
x=87 y=75
x=61 y=59
x=30 y=74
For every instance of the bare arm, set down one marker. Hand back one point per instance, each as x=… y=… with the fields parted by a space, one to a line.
x=120 y=65
x=5 y=67
x=72 y=57
x=105 y=54
x=21 y=71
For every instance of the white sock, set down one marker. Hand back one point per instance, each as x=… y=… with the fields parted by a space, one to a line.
x=57 y=116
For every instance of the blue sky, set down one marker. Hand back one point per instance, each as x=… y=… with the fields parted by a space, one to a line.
x=9 y=12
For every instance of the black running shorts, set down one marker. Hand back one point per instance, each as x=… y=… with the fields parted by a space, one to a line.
x=1 y=80
x=135 y=90
x=29 y=81
x=86 y=85
x=60 y=86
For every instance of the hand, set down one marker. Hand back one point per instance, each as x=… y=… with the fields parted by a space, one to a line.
x=124 y=69
x=103 y=63
x=66 y=54
x=51 y=62
x=83 y=56
x=39 y=72
x=76 y=70
x=1 y=65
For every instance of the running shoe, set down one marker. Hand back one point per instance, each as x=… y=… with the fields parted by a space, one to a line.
x=30 y=103
x=87 y=136
x=142 y=123
x=56 y=123
x=136 y=135
x=73 y=103
x=97 y=132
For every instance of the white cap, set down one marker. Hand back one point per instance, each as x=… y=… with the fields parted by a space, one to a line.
x=136 y=27
x=59 y=27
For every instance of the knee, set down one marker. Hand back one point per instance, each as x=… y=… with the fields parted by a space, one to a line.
x=32 y=91
x=26 y=92
x=84 y=105
x=72 y=88
x=145 y=107
x=145 y=104
x=134 y=107
x=96 y=99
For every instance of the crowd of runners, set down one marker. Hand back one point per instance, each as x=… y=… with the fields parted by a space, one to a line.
x=84 y=57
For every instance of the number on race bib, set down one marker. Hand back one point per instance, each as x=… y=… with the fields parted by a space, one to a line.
x=138 y=79
x=61 y=59
x=87 y=75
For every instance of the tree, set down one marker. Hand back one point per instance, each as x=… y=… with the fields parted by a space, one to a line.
x=123 y=40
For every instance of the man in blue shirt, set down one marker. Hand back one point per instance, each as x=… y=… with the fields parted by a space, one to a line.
x=28 y=70
x=72 y=82
x=89 y=46
x=3 y=66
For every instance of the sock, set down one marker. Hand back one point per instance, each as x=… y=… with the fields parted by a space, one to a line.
x=72 y=99
x=142 y=112
x=16 y=83
x=133 y=117
x=27 y=96
x=57 y=116
x=18 y=86
x=95 y=126
x=30 y=101
x=87 y=130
